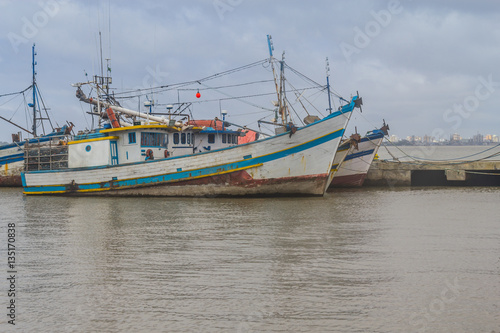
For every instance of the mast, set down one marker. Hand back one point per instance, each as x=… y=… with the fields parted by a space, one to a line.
x=328 y=85
x=271 y=48
x=33 y=64
x=282 y=101
x=280 y=91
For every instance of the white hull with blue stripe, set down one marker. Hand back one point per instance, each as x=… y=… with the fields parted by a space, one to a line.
x=297 y=164
x=352 y=172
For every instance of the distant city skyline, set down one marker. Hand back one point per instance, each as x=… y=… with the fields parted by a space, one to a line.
x=455 y=137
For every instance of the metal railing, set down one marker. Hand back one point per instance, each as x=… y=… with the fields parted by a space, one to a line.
x=51 y=155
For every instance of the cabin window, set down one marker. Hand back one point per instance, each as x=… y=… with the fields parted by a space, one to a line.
x=211 y=138
x=183 y=138
x=189 y=138
x=153 y=139
x=192 y=138
x=131 y=138
x=224 y=138
x=176 y=138
x=234 y=139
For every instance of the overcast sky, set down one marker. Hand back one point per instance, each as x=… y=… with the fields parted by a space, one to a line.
x=426 y=67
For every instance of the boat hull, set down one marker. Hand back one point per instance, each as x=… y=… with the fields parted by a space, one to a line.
x=284 y=164
x=228 y=185
x=11 y=165
x=353 y=170
x=339 y=158
x=355 y=180
x=11 y=181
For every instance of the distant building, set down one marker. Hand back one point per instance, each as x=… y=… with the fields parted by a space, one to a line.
x=455 y=137
x=477 y=139
x=428 y=139
x=414 y=138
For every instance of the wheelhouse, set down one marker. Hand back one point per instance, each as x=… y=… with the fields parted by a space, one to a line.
x=132 y=144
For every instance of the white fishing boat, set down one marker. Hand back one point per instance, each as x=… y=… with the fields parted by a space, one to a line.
x=352 y=171
x=161 y=156
x=343 y=151
x=117 y=161
x=12 y=154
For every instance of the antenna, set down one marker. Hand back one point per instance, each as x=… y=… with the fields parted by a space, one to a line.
x=100 y=46
x=108 y=72
x=270 y=44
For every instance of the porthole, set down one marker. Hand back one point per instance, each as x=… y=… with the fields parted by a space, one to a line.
x=88 y=148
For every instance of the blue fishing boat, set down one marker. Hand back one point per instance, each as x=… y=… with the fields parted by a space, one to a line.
x=12 y=155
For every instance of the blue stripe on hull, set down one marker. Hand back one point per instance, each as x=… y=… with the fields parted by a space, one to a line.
x=373 y=136
x=360 y=154
x=11 y=158
x=183 y=175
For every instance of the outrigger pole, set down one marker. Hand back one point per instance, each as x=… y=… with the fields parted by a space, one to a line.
x=81 y=96
x=10 y=122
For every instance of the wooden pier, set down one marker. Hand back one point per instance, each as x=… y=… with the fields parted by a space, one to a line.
x=423 y=173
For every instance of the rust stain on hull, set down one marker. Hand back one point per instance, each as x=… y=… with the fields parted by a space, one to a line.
x=10 y=181
x=238 y=183
x=348 y=181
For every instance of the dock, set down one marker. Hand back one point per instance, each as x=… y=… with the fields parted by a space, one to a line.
x=429 y=173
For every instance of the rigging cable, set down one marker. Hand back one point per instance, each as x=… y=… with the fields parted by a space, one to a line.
x=332 y=91
x=9 y=100
x=16 y=93
x=187 y=83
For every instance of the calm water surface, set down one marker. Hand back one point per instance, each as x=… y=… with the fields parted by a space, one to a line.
x=369 y=260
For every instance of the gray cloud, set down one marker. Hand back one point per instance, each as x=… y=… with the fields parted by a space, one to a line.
x=426 y=59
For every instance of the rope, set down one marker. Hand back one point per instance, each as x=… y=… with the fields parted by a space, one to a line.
x=423 y=161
